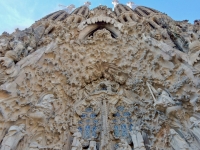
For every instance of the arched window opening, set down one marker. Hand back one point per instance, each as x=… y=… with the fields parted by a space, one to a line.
x=73 y=18
x=131 y=16
x=138 y=13
x=125 y=19
x=91 y=34
x=120 y=11
x=79 y=20
x=152 y=10
x=56 y=16
x=146 y=12
x=152 y=26
x=126 y=8
x=83 y=12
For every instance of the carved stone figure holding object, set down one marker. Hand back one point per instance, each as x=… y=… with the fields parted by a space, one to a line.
x=93 y=144
x=12 y=138
x=124 y=145
x=77 y=142
x=163 y=100
x=137 y=139
x=177 y=142
x=195 y=128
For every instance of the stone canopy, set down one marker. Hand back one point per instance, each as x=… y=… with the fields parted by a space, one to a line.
x=101 y=79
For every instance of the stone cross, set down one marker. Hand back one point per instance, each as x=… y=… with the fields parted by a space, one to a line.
x=130 y=4
x=68 y=9
x=87 y=4
x=115 y=3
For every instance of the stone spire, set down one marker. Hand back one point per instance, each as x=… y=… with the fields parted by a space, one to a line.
x=87 y=4
x=115 y=3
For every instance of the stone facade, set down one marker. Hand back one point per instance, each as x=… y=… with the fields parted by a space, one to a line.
x=101 y=79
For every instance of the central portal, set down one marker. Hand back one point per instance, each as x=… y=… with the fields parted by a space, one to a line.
x=105 y=121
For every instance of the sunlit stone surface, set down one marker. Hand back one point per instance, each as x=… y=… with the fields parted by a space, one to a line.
x=101 y=79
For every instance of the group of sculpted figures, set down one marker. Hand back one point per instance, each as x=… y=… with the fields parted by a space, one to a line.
x=16 y=133
x=165 y=103
x=162 y=102
x=136 y=137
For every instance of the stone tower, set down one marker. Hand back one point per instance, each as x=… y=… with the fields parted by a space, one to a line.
x=101 y=79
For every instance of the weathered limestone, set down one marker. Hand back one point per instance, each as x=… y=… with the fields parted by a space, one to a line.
x=12 y=138
x=101 y=79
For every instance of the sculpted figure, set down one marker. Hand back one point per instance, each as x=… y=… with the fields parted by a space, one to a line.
x=77 y=141
x=177 y=142
x=9 y=69
x=195 y=128
x=163 y=99
x=179 y=41
x=137 y=139
x=36 y=145
x=8 y=61
x=93 y=144
x=124 y=145
x=46 y=102
x=194 y=53
x=18 y=47
x=44 y=107
x=12 y=138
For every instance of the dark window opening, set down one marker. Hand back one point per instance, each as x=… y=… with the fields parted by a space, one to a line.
x=79 y=20
x=119 y=9
x=156 y=21
x=138 y=13
x=56 y=16
x=153 y=10
x=83 y=12
x=132 y=17
x=126 y=8
x=63 y=17
x=152 y=26
x=125 y=19
x=73 y=18
x=146 y=12
x=113 y=35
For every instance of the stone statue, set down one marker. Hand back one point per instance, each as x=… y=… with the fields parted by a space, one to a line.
x=12 y=138
x=9 y=68
x=46 y=102
x=163 y=99
x=195 y=128
x=179 y=41
x=36 y=145
x=93 y=144
x=115 y=3
x=177 y=142
x=77 y=141
x=44 y=108
x=87 y=4
x=123 y=145
x=137 y=139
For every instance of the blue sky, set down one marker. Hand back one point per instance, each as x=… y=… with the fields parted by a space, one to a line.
x=22 y=13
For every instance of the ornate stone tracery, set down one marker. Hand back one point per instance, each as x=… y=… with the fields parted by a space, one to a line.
x=101 y=79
